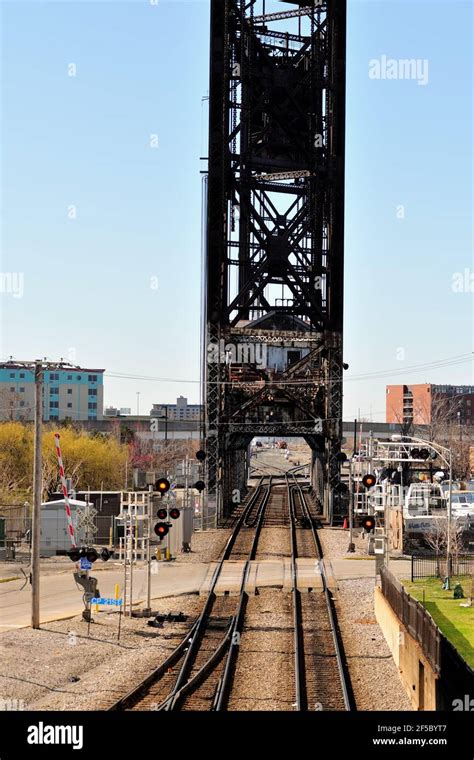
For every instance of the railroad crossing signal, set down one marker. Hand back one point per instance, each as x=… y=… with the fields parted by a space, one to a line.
x=162 y=485
x=88 y=553
x=162 y=514
x=369 y=480
x=368 y=523
x=174 y=513
x=85 y=519
x=200 y=485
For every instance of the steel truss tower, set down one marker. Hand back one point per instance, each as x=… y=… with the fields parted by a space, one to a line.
x=275 y=236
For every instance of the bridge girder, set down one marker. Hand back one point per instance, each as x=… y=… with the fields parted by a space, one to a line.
x=275 y=232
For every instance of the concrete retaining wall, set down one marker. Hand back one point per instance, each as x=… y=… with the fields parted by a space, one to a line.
x=417 y=675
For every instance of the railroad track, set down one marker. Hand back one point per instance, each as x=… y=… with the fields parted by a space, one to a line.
x=198 y=674
x=190 y=675
x=321 y=675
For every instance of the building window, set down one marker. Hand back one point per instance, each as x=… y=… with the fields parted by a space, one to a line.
x=54 y=375
x=12 y=390
x=92 y=378
x=69 y=390
x=22 y=374
x=92 y=391
x=69 y=377
x=78 y=377
x=22 y=403
x=54 y=391
x=54 y=404
x=22 y=390
x=92 y=417
x=92 y=406
x=69 y=406
x=12 y=374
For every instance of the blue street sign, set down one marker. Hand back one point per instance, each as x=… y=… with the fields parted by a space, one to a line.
x=107 y=600
x=85 y=564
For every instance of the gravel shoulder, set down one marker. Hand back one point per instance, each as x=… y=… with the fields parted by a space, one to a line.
x=61 y=667
x=374 y=675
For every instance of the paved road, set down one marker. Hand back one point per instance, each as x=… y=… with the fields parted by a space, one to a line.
x=60 y=597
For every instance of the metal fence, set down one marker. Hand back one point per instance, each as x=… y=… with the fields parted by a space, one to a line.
x=414 y=617
x=436 y=565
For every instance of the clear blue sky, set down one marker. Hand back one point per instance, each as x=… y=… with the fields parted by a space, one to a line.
x=142 y=70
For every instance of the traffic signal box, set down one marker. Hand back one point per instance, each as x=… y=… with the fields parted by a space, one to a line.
x=164 y=515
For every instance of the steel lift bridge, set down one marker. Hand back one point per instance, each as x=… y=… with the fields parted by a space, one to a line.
x=274 y=238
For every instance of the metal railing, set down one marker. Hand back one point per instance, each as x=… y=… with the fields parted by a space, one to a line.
x=435 y=565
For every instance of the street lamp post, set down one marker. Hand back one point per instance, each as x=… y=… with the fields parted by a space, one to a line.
x=448 y=540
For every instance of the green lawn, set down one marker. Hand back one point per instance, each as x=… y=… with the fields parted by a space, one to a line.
x=457 y=623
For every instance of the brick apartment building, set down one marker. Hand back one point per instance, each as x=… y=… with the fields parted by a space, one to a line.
x=414 y=403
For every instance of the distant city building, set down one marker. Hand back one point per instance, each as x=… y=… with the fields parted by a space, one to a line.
x=73 y=393
x=179 y=411
x=113 y=411
x=415 y=403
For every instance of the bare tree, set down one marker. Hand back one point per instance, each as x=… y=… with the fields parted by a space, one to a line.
x=437 y=538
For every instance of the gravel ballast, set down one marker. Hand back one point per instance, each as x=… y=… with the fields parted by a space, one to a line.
x=374 y=675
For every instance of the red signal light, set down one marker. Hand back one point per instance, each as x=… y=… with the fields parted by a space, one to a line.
x=368 y=481
x=174 y=513
x=161 y=529
x=162 y=514
x=368 y=523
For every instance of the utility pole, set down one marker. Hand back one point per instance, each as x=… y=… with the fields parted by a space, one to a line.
x=37 y=491
x=37 y=367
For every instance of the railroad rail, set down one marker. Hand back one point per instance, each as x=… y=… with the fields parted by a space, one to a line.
x=321 y=674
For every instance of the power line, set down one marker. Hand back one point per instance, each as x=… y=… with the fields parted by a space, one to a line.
x=448 y=362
